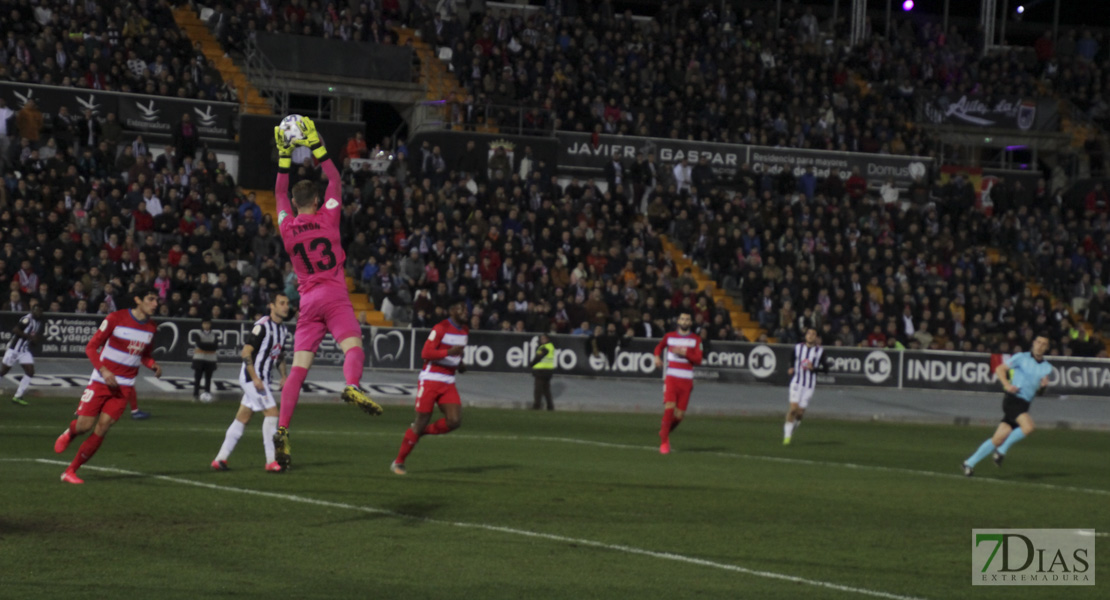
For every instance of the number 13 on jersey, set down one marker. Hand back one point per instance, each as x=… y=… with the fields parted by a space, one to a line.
x=321 y=245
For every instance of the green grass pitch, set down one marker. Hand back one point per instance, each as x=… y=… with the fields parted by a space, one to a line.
x=528 y=505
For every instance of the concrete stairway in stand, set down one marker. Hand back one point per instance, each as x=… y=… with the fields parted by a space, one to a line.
x=741 y=320
x=253 y=101
x=438 y=80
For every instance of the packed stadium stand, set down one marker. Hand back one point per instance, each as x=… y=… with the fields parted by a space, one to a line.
x=124 y=47
x=87 y=210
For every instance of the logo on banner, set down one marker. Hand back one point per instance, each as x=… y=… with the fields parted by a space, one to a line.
x=150 y=114
x=917 y=169
x=761 y=360
x=877 y=367
x=91 y=104
x=23 y=100
x=205 y=118
x=385 y=349
x=1027 y=113
x=1032 y=557
x=173 y=341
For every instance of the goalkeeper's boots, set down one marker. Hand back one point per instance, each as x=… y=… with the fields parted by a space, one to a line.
x=282 y=448
x=353 y=395
x=997 y=457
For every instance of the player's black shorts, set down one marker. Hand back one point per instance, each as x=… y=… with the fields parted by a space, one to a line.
x=1012 y=407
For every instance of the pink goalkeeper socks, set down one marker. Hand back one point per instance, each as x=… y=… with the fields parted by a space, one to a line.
x=352 y=365
x=290 y=394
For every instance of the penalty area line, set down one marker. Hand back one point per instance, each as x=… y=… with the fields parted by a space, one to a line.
x=487 y=527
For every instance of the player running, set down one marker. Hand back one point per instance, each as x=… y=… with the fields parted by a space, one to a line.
x=116 y=350
x=808 y=360
x=442 y=355
x=312 y=240
x=1030 y=377
x=28 y=331
x=684 y=352
x=262 y=352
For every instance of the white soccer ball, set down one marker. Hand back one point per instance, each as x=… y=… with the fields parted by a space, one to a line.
x=205 y=397
x=291 y=129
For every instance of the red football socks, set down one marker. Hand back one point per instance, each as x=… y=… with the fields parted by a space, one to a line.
x=87 y=450
x=668 y=419
x=437 y=428
x=407 y=445
x=73 y=428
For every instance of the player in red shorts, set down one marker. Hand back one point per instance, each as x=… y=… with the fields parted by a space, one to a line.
x=311 y=238
x=684 y=352
x=120 y=345
x=442 y=356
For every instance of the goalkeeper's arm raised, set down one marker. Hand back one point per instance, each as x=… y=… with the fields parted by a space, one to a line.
x=281 y=186
x=313 y=141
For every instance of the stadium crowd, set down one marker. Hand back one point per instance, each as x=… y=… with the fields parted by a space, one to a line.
x=696 y=70
x=700 y=70
x=914 y=273
x=695 y=73
x=1077 y=66
x=123 y=47
x=83 y=219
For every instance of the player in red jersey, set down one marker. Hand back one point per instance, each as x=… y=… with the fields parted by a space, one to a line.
x=119 y=346
x=442 y=356
x=311 y=238
x=684 y=352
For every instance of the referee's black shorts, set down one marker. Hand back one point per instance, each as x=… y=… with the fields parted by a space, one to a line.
x=1012 y=408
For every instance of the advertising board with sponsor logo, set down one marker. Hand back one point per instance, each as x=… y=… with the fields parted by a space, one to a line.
x=65 y=336
x=136 y=112
x=583 y=151
x=741 y=362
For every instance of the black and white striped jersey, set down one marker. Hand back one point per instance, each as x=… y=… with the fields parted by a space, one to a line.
x=804 y=354
x=30 y=326
x=267 y=340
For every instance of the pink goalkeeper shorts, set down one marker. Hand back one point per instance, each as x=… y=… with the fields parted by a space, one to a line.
x=324 y=310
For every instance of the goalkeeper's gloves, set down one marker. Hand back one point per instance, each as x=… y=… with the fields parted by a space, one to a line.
x=285 y=151
x=312 y=139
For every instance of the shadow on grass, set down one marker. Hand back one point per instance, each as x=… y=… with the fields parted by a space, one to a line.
x=417 y=510
x=475 y=470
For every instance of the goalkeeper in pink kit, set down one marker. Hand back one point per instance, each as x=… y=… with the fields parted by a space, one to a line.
x=311 y=237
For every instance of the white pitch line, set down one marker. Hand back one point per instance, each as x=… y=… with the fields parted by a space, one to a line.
x=776 y=459
x=821 y=463
x=1090 y=533
x=486 y=527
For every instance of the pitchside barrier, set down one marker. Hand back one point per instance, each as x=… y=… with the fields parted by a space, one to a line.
x=65 y=336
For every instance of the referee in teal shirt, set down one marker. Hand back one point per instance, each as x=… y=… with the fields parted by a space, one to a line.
x=1030 y=377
